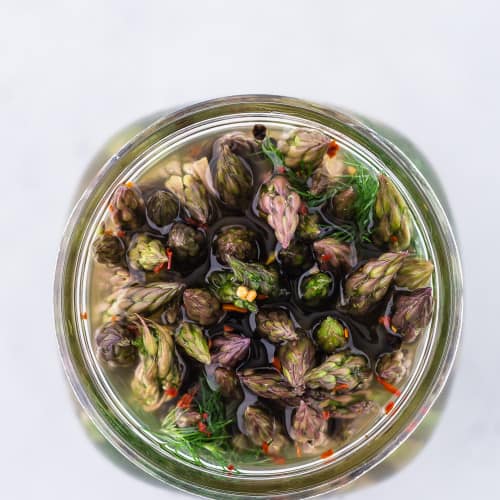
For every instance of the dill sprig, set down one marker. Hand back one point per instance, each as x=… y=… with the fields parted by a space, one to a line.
x=366 y=186
x=270 y=149
x=298 y=178
x=362 y=180
x=210 y=442
x=343 y=233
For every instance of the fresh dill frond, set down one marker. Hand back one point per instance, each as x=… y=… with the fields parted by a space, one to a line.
x=364 y=182
x=213 y=442
x=343 y=233
x=209 y=441
x=272 y=152
x=366 y=186
x=298 y=178
x=210 y=402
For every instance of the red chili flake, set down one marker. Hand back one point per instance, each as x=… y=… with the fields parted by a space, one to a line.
x=393 y=239
x=265 y=447
x=159 y=267
x=261 y=296
x=304 y=210
x=120 y=233
x=110 y=207
x=327 y=453
x=280 y=170
x=341 y=387
x=389 y=407
x=279 y=460
x=203 y=428
x=385 y=321
x=230 y=467
x=233 y=308
x=228 y=328
x=389 y=387
x=276 y=363
x=185 y=401
x=170 y=256
x=298 y=450
x=333 y=147
x=172 y=392
x=325 y=414
x=325 y=257
x=204 y=416
x=84 y=315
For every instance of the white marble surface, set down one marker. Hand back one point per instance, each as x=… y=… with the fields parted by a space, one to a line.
x=72 y=73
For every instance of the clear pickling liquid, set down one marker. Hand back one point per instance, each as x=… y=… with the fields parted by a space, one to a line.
x=366 y=335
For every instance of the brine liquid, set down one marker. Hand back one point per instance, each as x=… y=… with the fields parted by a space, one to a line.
x=366 y=335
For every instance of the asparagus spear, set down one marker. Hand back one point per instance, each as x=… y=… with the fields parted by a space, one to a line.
x=228 y=384
x=162 y=208
x=393 y=225
x=263 y=430
x=264 y=280
x=343 y=369
x=146 y=253
x=143 y=298
x=191 y=338
x=303 y=146
x=369 y=284
x=316 y=287
x=233 y=180
x=237 y=242
x=296 y=359
x=331 y=335
x=189 y=181
x=157 y=377
x=414 y=273
x=275 y=325
x=334 y=255
x=185 y=241
x=412 y=313
x=115 y=345
x=281 y=205
x=394 y=366
x=230 y=349
x=307 y=424
x=108 y=249
x=127 y=207
x=267 y=383
x=201 y=306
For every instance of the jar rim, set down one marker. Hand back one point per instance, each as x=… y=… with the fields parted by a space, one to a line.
x=182 y=121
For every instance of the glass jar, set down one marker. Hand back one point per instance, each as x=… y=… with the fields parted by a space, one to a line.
x=388 y=152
